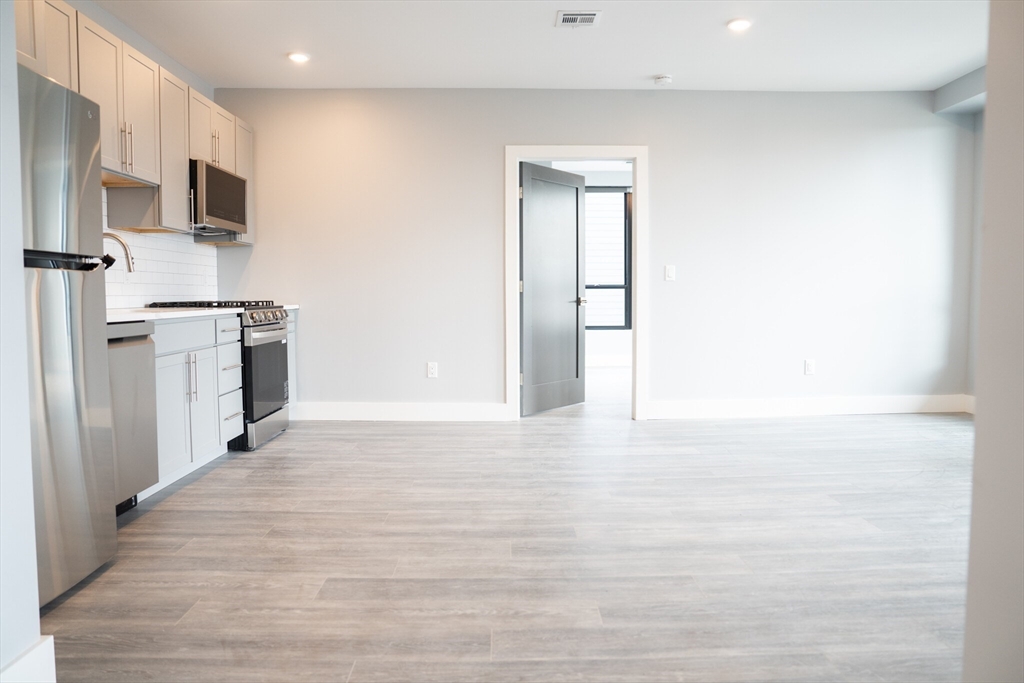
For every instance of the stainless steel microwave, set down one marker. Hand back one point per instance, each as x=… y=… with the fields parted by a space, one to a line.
x=218 y=199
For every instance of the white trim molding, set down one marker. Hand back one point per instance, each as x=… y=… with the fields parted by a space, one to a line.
x=35 y=665
x=808 y=406
x=969 y=404
x=402 y=412
x=641 y=231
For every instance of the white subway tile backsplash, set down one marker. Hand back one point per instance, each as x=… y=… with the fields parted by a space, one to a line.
x=168 y=267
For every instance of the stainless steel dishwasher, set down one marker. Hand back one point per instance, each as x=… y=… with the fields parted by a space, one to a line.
x=132 y=358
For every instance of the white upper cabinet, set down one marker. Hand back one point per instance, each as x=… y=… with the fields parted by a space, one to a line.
x=126 y=83
x=30 y=34
x=99 y=79
x=211 y=132
x=244 y=168
x=224 y=133
x=200 y=126
x=175 y=203
x=61 y=23
x=141 y=80
x=46 y=36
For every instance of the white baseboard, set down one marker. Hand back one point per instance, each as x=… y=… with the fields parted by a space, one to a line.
x=404 y=412
x=807 y=406
x=35 y=665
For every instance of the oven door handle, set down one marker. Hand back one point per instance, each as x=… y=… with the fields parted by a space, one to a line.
x=256 y=338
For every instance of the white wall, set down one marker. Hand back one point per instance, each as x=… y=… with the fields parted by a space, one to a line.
x=19 y=591
x=994 y=637
x=827 y=226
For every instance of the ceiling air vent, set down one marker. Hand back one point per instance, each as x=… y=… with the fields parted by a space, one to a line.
x=574 y=19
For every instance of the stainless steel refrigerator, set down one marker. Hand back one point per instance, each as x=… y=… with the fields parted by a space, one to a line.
x=72 y=445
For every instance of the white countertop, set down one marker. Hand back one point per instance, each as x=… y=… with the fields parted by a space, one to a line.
x=125 y=315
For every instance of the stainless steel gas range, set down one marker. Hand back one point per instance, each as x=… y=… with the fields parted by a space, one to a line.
x=264 y=367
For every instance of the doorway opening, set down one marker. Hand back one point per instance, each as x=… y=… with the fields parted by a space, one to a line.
x=615 y=358
x=608 y=227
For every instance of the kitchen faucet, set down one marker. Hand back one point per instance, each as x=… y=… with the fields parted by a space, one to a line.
x=129 y=259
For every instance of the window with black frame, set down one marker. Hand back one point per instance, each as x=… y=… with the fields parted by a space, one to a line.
x=608 y=227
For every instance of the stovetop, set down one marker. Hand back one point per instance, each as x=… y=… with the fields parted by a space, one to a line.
x=247 y=305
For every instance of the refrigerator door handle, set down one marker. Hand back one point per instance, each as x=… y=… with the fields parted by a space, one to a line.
x=55 y=261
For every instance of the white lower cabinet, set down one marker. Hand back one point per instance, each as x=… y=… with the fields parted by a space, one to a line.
x=173 y=405
x=204 y=407
x=232 y=415
x=187 y=403
x=195 y=383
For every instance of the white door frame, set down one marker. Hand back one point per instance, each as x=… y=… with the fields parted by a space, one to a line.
x=638 y=155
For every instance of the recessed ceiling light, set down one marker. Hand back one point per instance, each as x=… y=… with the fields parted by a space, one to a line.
x=663 y=80
x=298 y=57
x=739 y=25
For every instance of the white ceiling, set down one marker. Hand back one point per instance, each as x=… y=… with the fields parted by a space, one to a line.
x=803 y=45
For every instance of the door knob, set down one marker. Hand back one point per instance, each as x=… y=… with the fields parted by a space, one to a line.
x=580 y=301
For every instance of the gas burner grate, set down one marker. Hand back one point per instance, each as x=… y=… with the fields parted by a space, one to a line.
x=211 y=304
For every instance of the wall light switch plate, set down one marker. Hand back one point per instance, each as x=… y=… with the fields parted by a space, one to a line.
x=670 y=273
x=432 y=370
x=809 y=367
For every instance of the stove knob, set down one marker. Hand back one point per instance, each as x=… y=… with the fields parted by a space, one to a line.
x=259 y=316
x=279 y=314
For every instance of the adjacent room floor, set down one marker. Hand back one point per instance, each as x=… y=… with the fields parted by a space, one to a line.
x=574 y=545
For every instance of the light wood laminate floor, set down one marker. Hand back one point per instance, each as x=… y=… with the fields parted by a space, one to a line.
x=576 y=545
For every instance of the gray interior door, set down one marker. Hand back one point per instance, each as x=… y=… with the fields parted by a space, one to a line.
x=551 y=303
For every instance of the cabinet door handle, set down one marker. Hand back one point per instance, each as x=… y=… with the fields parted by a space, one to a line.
x=124 y=147
x=195 y=373
x=213 y=146
x=232 y=367
x=188 y=378
x=232 y=329
x=240 y=412
x=131 y=147
x=191 y=210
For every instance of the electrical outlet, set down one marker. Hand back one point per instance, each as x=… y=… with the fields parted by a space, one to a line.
x=809 y=367
x=432 y=370
x=670 y=273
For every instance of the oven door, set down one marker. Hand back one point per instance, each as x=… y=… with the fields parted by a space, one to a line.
x=265 y=358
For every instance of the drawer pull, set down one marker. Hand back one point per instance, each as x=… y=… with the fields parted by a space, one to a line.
x=228 y=419
x=232 y=367
x=232 y=329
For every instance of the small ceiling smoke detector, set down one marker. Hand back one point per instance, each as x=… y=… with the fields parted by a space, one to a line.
x=738 y=25
x=574 y=19
x=298 y=57
x=663 y=80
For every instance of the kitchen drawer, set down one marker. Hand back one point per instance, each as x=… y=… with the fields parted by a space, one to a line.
x=229 y=363
x=229 y=329
x=232 y=420
x=183 y=336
